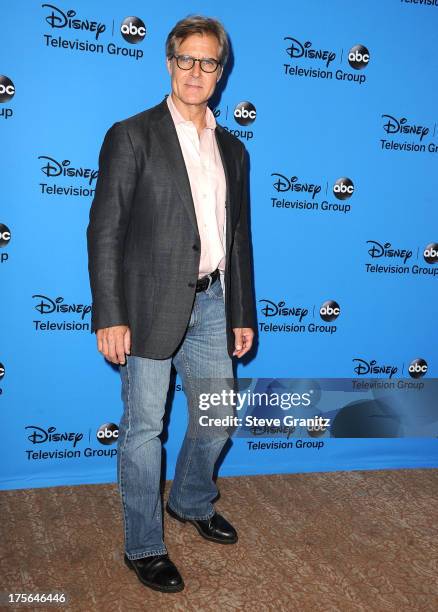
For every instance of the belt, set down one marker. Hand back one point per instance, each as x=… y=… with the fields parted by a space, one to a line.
x=206 y=281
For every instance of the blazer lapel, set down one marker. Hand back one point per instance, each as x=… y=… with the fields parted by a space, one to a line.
x=226 y=165
x=169 y=142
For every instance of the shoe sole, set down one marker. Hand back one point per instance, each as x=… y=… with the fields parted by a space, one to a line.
x=164 y=589
x=198 y=529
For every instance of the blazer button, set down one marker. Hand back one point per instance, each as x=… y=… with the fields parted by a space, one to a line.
x=191 y=284
x=195 y=247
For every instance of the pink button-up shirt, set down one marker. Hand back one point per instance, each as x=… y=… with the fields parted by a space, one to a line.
x=208 y=185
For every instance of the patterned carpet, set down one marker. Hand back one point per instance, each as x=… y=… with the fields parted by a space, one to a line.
x=345 y=541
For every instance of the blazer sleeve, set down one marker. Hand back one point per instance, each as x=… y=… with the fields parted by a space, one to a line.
x=108 y=223
x=242 y=293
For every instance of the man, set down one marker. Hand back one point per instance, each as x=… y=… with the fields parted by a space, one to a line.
x=170 y=274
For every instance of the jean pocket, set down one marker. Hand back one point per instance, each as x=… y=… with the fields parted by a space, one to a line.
x=216 y=290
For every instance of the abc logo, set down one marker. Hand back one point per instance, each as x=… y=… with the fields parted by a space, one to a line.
x=430 y=253
x=5 y=235
x=316 y=430
x=245 y=113
x=329 y=311
x=2 y=370
x=108 y=433
x=417 y=368
x=133 y=30
x=343 y=188
x=358 y=57
x=7 y=89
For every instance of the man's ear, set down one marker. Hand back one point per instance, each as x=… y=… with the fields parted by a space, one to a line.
x=220 y=70
x=168 y=65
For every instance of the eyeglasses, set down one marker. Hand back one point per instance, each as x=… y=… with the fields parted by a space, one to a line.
x=186 y=62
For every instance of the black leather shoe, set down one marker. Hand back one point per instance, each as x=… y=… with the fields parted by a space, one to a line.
x=157 y=572
x=216 y=528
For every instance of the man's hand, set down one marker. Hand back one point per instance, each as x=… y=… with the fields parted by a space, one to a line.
x=243 y=338
x=114 y=342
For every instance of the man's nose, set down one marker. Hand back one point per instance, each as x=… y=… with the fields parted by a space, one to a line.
x=196 y=70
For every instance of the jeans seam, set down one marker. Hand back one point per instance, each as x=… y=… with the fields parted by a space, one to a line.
x=158 y=551
x=189 y=462
x=128 y=404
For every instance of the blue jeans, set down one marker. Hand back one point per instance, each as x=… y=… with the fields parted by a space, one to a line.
x=145 y=382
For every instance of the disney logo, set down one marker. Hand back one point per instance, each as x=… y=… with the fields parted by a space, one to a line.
x=369 y=367
x=384 y=250
x=55 y=168
x=283 y=183
x=59 y=19
x=268 y=430
x=40 y=435
x=297 y=50
x=47 y=306
x=272 y=309
x=393 y=126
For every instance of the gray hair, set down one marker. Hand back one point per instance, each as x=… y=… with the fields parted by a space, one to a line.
x=197 y=24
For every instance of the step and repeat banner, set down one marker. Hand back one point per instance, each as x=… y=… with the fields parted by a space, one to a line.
x=337 y=104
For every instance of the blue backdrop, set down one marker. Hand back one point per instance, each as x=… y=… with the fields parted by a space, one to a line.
x=340 y=121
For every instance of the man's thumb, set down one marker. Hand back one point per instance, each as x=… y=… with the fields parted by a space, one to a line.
x=127 y=341
x=238 y=339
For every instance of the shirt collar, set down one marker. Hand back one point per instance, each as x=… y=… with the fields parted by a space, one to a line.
x=210 y=121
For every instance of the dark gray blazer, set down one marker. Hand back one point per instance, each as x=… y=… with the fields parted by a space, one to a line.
x=143 y=239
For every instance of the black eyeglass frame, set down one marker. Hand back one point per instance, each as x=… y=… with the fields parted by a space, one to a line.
x=194 y=59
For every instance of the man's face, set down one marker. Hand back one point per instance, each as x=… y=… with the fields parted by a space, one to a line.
x=194 y=86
